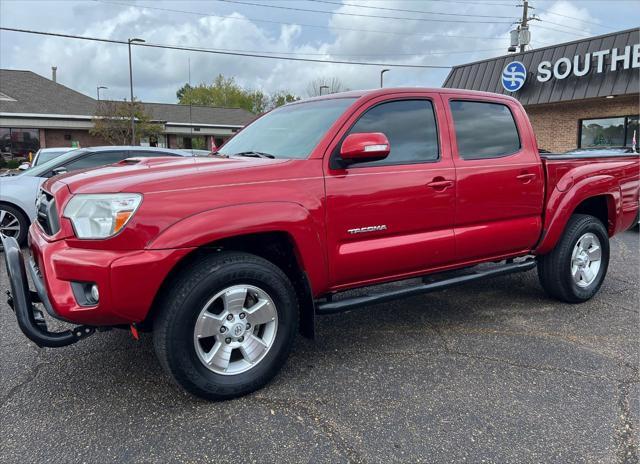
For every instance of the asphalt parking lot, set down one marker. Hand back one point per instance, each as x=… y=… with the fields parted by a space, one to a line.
x=490 y=372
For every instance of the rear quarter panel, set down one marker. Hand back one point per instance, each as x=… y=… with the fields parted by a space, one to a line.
x=572 y=181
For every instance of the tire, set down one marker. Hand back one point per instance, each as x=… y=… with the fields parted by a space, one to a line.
x=563 y=272
x=10 y=218
x=195 y=305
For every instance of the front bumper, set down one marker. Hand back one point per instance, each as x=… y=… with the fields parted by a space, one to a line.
x=128 y=280
x=21 y=299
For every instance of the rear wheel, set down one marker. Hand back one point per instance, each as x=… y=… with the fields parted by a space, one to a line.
x=575 y=269
x=227 y=325
x=13 y=223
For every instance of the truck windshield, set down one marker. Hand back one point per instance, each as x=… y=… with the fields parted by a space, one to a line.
x=291 y=131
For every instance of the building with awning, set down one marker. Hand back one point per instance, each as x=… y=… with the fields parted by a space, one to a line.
x=37 y=112
x=580 y=94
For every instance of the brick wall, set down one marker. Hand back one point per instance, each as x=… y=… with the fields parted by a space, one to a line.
x=56 y=138
x=556 y=125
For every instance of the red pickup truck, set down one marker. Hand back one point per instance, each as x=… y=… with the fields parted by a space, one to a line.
x=224 y=259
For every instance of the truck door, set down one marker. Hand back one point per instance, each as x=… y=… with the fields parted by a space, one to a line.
x=500 y=183
x=392 y=217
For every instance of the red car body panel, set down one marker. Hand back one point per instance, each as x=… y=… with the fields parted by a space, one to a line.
x=438 y=215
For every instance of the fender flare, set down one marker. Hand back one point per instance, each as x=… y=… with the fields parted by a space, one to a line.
x=561 y=205
x=252 y=218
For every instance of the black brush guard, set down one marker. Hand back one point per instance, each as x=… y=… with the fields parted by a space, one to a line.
x=30 y=319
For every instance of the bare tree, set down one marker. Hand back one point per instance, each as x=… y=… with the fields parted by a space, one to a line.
x=111 y=122
x=325 y=85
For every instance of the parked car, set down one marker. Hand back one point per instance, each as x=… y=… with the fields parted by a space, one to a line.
x=18 y=193
x=317 y=197
x=43 y=155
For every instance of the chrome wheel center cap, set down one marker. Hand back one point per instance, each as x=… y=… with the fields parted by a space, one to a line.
x=237 y=330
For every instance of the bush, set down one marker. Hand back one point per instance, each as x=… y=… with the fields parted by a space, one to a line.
x=3 y=162
x=13 y=164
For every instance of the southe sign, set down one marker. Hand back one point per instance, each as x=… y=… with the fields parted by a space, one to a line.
x=626 y=58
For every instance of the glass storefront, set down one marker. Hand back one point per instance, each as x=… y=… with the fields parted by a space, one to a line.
x=19 y=142
x=608 y=132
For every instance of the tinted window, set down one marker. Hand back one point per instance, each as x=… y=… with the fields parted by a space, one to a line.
x=484 y=130
x=93 y=160
x=291 y=131
x=410 y=127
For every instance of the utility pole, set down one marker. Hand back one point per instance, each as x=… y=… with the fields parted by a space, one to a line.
x=525 y=21
x=521 y=36
x=133 y=122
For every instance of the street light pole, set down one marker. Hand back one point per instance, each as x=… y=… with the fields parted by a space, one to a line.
x=98 y=90
x=323 y=87
x=133 y=123
x=382 y=77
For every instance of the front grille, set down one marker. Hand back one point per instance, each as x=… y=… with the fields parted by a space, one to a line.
x=47 y=213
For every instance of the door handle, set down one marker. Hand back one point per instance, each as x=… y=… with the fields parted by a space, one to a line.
x=440 y=184
x=526 y=177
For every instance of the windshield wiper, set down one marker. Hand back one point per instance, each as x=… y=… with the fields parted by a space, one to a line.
x=254 y=154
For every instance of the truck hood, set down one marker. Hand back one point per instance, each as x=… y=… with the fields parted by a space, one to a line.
x=147 y=175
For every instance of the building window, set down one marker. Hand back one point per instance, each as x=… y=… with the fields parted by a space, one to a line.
x=608 y=132
x=19 y=142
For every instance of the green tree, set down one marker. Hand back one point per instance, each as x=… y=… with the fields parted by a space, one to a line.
x=182 y=90
x=112 y=122
x=282 y=98
x=226 y=92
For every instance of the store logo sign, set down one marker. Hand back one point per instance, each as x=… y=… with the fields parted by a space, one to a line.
x=513 y=76
x=601 y=61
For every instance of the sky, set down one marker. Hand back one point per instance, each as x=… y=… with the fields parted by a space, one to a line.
x=439 y=32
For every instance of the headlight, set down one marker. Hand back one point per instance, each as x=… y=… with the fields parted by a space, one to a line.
x=101 y=215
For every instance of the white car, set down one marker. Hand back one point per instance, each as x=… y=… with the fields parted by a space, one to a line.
x=18 y=193
x=43 y=155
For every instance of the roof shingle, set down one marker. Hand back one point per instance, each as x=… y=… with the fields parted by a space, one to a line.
x=34 y=94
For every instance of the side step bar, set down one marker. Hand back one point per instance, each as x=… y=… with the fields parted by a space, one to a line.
x=330 y=307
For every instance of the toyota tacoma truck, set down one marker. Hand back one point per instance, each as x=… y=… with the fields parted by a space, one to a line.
x=225 y=259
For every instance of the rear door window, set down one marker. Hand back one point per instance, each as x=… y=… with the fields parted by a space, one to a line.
x=484 y=130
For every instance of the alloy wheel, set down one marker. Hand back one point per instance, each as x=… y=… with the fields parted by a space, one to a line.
x=9 y=224
x=235 y=329
x=586 y=259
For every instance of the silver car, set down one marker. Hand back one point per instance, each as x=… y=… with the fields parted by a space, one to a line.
x=18 y=193
x=43 y=155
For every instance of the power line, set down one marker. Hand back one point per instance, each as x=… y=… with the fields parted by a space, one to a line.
x=218 y=52
x=408 y=11
x=584 y=34
x=307 y=10
x=562 y=25
x=576 y=19
x=455 y=52
x=248 y=19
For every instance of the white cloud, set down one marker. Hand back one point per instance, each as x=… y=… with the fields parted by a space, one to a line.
x=159 y=73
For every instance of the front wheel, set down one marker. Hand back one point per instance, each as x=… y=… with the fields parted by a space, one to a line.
x=13 y=223
x=227 y=325
x=575 y=269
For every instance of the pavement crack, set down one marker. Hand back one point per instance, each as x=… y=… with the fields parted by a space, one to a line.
x=627 y=448
x=315 y=420
x=31 y=376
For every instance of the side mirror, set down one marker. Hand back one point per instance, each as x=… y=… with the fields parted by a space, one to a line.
x=60 y=170
x=368 y=146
